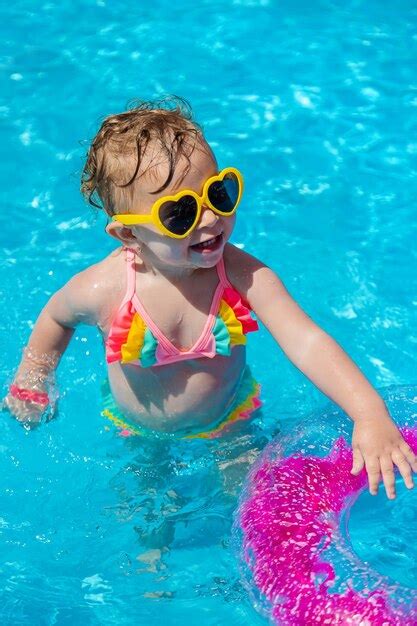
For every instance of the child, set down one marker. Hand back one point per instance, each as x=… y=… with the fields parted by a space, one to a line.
x=174 y=302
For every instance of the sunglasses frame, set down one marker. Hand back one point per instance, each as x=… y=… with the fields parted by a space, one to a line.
x=129 y=219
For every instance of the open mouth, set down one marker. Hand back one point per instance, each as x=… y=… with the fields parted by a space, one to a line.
x=209 y=245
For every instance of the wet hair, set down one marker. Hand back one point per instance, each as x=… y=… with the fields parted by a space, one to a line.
x=114 y=159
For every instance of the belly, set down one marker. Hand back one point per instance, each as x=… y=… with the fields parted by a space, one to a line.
x=180 y=396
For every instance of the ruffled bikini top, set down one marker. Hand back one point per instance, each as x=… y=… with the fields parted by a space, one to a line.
x=134 y=338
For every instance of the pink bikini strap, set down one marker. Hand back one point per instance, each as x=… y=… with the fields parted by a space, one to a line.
x=130 y=274
x=221 y=271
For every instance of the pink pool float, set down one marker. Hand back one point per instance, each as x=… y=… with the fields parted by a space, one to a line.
x=296 y=558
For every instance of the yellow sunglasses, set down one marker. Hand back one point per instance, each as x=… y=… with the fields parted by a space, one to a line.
x=178 y=215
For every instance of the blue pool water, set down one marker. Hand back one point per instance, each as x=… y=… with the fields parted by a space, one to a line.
x=317 y=104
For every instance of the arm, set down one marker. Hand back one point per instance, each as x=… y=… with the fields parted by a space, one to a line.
x=29 y=394
x=377 y=443
x=32 y=390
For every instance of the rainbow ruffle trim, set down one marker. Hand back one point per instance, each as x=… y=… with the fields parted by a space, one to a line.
x=130 y=338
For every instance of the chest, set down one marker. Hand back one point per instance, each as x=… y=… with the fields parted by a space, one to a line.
x=162 y=326
x=180 y=315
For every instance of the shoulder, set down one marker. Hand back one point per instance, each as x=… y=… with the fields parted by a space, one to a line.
x=94 y=275
x=245 y=272
x=237 y=261
x=94 y=292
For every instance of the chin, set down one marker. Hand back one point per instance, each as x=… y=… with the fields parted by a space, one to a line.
x=208 y=259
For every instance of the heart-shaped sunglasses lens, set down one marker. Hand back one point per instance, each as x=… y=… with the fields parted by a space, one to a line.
x=178 y=217
x=224 y=194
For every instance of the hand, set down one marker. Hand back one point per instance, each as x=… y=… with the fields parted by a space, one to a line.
x=378 y=445
x=24 y=411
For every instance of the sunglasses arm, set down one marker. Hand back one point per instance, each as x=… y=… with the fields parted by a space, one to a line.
x=130 y=220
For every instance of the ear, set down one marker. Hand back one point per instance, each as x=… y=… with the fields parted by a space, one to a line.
x=121 y=233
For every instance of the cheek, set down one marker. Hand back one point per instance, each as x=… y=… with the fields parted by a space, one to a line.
x=168 y=249
x=155 y=242
x=228 y=223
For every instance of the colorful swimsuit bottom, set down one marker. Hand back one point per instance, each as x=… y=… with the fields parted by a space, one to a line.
x=134 y=338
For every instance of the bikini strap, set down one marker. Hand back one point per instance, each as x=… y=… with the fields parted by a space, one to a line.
x=225 y=282
x=130 y=274
x=221 y=271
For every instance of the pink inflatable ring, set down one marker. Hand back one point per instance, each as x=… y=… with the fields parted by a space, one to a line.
x=296 y=558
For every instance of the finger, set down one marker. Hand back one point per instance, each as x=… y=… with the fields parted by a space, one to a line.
x=374 y=475
x=6 y=403
x=409 y=455
x=29 y=418
x=388 y=476
x=404 y=468
x=27 y=411
x=357 y=462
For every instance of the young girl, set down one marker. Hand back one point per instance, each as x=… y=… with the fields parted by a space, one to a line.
x=174 y=302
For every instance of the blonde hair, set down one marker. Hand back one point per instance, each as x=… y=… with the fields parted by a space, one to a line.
x=116 y=153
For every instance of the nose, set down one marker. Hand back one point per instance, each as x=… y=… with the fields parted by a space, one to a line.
x=207 y=217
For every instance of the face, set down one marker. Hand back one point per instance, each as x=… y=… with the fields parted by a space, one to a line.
x=203 y=247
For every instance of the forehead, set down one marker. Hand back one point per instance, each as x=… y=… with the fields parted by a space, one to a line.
x=189 y=173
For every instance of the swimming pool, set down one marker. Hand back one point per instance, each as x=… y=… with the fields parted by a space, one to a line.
x=317 y=104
